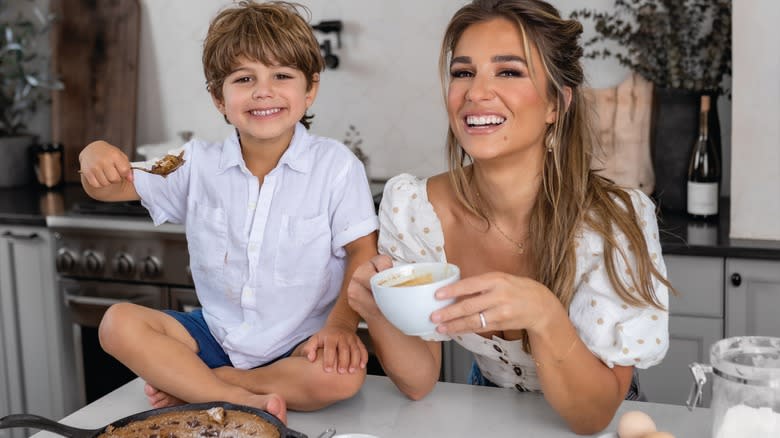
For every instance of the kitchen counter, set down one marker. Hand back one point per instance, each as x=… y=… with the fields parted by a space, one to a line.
x=451 y=410
x=681 y=235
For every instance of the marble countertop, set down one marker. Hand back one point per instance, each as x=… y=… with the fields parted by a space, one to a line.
x=451 y=410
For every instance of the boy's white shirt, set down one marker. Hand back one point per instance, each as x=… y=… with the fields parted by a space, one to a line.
x=267 y=261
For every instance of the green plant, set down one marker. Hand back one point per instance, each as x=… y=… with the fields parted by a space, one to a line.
x=683 y=44
x=353 y=141
x=24 y=78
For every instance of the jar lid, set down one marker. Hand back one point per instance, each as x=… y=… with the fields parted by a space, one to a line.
x=752 y=360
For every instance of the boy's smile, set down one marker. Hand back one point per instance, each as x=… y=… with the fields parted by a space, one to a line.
x=264 y=102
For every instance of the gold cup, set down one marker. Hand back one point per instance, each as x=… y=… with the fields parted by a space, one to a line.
x=48 y=165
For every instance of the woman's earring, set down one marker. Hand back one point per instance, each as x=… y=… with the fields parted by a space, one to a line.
x=549 y=141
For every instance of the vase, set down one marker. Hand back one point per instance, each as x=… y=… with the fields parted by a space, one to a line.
x=674 y=128
x=16 y=162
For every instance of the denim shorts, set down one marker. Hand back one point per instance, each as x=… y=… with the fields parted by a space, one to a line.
x=209 y=350
x=477 y=378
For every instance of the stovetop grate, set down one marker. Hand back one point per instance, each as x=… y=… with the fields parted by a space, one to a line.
x=129 y=208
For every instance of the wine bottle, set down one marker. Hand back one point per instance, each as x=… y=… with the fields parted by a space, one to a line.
x=703 y=170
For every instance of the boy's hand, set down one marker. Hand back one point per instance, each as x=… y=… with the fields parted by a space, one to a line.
x=102 y=165
x=342 y=349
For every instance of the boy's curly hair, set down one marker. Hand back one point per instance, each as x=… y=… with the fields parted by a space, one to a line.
x=274 y=33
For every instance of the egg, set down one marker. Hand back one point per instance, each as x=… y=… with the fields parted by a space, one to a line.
x=635 y=424
x=658 y=435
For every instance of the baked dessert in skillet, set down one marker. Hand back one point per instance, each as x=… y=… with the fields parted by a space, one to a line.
x=214 y=422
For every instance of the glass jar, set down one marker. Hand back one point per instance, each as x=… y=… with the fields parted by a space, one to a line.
x=745 y=387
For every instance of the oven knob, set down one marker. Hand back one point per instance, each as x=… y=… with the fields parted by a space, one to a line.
x=151 y=266
x=66 y=260
x=124 y=264
x=93 y=261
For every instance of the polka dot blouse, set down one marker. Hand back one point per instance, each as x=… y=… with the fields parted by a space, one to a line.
x=617 y=333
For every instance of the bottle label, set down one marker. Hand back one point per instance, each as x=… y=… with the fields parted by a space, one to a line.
x=702 y=198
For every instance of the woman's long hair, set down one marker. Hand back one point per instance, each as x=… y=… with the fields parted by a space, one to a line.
x=571 y=194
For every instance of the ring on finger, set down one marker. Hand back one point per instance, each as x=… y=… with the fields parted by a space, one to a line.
x=482 y=320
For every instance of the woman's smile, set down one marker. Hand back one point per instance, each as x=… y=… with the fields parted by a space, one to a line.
x=483 y=123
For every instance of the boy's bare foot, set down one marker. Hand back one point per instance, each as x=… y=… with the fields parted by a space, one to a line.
x=159 y=399
x=271 y=403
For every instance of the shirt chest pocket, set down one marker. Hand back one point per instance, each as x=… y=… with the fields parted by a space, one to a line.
x=303 y=250
x=207 y=233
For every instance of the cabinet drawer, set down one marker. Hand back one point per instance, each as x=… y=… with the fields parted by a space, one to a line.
x=752 y=297
x=690 y=339
x=699 y=282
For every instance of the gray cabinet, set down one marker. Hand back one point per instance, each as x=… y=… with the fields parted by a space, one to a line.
x=456 y=363
x=696 y=322
x=690 y=339
x=35 y=376
x=752 y=297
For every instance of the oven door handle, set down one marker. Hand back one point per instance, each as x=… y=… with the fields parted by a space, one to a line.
x=98 y=301
x=10 y=235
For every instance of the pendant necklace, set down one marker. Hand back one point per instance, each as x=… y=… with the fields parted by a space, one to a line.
x=519 y=246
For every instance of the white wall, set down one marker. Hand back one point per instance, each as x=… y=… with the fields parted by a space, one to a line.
x=386 y=85
x=755 y=187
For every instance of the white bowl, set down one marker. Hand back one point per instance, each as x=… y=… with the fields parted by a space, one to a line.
x=354 y=435
x=409 y=307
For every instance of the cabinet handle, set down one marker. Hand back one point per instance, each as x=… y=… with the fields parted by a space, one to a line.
x=10 y=235
x=736 y=279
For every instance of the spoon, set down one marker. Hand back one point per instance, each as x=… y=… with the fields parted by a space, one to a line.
x=163 y=167
x=327 y=433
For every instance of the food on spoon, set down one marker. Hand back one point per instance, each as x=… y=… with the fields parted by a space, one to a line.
x=214 y=422
x=635 y=424
x=167 y=164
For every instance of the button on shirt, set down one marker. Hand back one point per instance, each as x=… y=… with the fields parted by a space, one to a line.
x=267 y=261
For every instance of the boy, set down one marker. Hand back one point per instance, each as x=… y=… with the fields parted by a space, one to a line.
x=276 y=222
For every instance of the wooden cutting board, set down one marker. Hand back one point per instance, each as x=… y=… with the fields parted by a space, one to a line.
x=95 y=53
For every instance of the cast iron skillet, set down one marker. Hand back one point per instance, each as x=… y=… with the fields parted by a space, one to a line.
x=38 y=422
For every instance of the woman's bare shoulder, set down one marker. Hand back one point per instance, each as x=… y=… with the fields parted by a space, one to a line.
x=441 y=194
x=440 y=187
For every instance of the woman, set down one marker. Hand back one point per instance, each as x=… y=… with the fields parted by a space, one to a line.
x=563 y=287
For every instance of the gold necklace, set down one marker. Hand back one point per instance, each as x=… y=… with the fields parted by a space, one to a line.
x=519 y=246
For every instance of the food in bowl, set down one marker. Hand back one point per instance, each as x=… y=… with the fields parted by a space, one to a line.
x=214 y=422
x=416 y=281
x=405 y=295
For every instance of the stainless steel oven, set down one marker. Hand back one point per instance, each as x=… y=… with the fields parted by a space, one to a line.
x=87 y=301
x=102 y=260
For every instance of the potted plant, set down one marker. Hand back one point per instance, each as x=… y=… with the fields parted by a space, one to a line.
x=25 y=84
x=684 y=48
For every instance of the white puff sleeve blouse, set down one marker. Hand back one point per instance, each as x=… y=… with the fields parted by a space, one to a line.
x=617 y=333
